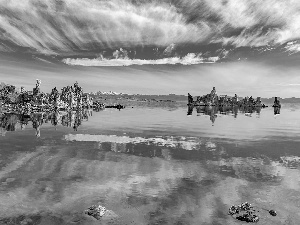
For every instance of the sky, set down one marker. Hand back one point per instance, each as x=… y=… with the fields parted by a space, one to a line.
x=248 y=47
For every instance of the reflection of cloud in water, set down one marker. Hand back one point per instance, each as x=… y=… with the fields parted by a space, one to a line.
x=251 y=169
x=168 y=142
x=19 y=161
x=65 y=180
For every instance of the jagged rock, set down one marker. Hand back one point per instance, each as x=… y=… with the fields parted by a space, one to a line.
x=96 y=211
x=101 y=213
x=244 y=212
x=272 y=212
x=248 y=217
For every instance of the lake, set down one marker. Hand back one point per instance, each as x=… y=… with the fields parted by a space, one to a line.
x=150 y=165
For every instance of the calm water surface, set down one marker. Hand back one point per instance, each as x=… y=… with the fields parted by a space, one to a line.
x=150 y=165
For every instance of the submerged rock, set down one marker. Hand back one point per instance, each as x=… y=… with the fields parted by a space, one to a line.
x=273 y=212
x=101 y=213
x=96 y=211
x=248 y=217
x=244 y=212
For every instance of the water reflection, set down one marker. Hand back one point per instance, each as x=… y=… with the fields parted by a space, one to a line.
x=145 y=178
x=147 y=184
x=276 y=111
x=212 y=111
x=191 y=149
x=121 y=142
x=190 y=110
x=10 y=121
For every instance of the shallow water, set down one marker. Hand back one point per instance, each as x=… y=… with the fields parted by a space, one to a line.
x=150 y=165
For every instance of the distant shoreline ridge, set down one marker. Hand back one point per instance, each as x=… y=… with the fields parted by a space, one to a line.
x=184 y=97
x=176 y=97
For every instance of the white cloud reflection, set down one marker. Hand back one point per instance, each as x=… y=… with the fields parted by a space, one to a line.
x=166 y=142
x=63 y=181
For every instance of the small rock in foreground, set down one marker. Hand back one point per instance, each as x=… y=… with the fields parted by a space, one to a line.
x=96 y=211
x=272 y=212
x=244 y=212
x=101 y=213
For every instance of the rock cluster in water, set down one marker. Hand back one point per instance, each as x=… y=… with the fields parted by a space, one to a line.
x=26 y=102
x=99 y=212
x=224 y=100
x=96 y=211
x=244 y=212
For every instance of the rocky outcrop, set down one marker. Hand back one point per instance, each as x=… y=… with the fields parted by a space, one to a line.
x=101 y=213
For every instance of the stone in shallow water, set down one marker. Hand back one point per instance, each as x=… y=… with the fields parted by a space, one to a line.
x=244 y=212
x=100 y=212
x=272 y=212
x=248 y=217
x=96 y=211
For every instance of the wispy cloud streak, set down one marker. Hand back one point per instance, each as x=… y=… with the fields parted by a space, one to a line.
x=68 y=26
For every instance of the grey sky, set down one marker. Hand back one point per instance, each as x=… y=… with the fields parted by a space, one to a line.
x=247 y=47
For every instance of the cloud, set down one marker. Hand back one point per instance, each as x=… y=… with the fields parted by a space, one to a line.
x=70 y=26
x=259 y=22
x=241 y=77
x=292 y=47
x=189 y=59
